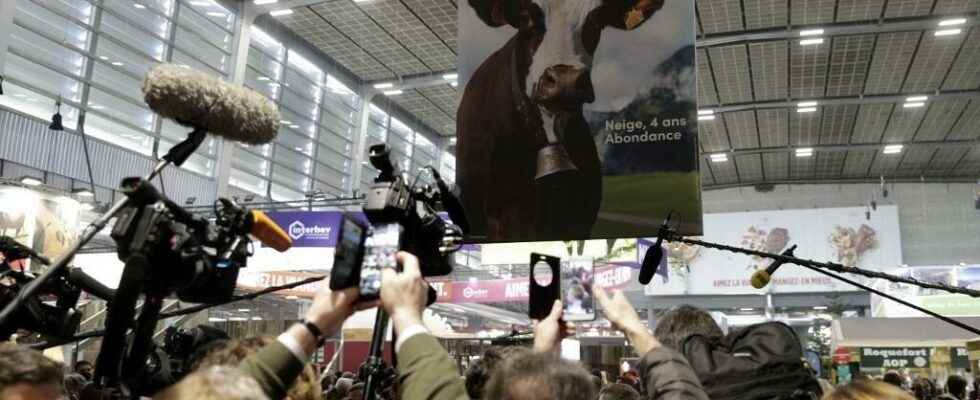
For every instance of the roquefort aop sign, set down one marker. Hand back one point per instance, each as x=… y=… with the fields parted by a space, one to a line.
x=894 y=357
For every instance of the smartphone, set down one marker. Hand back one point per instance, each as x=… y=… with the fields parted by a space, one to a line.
x=577 y=299
x=379 y=253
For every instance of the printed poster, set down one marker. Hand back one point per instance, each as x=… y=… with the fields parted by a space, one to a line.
x=577 y=119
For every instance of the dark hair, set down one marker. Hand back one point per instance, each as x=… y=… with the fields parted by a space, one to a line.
x=233 y=352
x=683 y=321
x=479 y=372
x=618 y=391
x=82 y=362
x=923 y=388
x=893 y=377
x=541 y=376
x=956 y=386
x=20 y=364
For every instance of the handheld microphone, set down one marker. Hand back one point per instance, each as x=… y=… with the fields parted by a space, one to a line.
x=654 y=254
x=267 y=231
x=198 y=100
x=762 y=277
x=453 y=206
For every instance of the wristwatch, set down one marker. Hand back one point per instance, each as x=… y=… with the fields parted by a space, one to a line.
x=315 y=331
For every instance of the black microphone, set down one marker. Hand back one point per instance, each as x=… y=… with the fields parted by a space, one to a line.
x=762 y=277
x=655 y=254
x=13 y=250
x=452 y=204
x=87 y=283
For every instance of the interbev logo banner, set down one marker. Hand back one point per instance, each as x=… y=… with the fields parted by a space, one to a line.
x=310 y=228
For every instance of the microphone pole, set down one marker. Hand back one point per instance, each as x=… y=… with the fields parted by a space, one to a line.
x=177 y=155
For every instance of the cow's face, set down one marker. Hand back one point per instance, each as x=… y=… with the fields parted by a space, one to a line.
x=562 y=36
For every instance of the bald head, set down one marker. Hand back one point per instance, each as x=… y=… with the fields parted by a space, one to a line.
x=540 y=376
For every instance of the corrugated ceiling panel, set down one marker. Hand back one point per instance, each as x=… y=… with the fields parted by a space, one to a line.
x=409 y=30
x=802 y=168
x=770 y=64
x=776 y=165
x=707 y=95
x=808 y=70
x=761 y=14
x=945 y=160
x=732 y=75
x=720 y=15
x=440 y=16
x=810 y=12
x=849 y=60
x=706 y=177
x=916 y=159
x=713 y=135
x=871 y=122
x=935 y=55
x=749 y=167
x=965 y=73
x=970 y=166
x=857 y=162
x=773 y=126
x=945 y=7
x=939 y=119
x=742 y=129
x=804 y=128
x=892 y=57
x=315 y=30
x=968 y=127
x=859 y=10
x=903 y=124
x=724 y=172
x=829 y=164
x=907 y=8
x=837 y=123
x=885 y=164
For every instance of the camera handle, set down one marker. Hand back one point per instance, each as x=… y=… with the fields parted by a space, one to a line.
x=375 y=360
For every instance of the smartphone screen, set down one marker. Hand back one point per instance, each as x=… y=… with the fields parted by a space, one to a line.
x=576 y=286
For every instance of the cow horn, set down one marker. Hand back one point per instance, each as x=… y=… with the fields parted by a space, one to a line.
x=553 y=160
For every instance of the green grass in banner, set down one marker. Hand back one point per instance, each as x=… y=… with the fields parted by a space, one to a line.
x=634 y=205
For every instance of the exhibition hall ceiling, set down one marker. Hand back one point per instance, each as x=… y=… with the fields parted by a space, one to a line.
x=753 y=72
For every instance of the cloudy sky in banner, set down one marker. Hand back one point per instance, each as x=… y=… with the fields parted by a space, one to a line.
x=623 y=64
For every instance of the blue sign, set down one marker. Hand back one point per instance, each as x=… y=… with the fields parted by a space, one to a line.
x=310 y=228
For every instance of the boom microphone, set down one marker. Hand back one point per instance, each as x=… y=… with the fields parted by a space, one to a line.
x=453 y=206
x=198 y=100
x=761 y=277
x=267 y=231
x=651 y=260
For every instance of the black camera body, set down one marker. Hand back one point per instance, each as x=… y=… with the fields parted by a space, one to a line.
x=198 y=259
x=401 y=217
x=58 y=320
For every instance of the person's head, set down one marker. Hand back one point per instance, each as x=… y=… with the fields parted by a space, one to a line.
x=28 y=374
x=85 y=368
x=893 y=377
x=214 y=383
x=480 y=371
x=339 y=389
x=348 y=375
x=683 y=321
x=956 y=386
x=618 y=391
x=356 y=391
x=868 y=390
x=233 y=352
x=74 y=383
x=922 y=388
x=539 y=376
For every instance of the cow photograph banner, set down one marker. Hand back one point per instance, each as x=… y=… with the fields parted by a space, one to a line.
x=578 y=118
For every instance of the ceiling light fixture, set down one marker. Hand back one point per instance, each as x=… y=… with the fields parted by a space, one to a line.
x=450 y=77
x=811 y=32
x=31 y=181
x=806 y=104
x=893 y=149
x=56 y=118
x=83 y=193
x=914 y=99
x=719 y=157
x=804 y=152
x=244 y=310
x=818 y=308
x=139 y=6
x=264 y=2
x=384 y=85
x=952 y=21
x=393 y=92
x=948 y=32
x=201 y=3
x=706 y=112
x=808 y=42
x=217 y=14
x=706 y=117
x=913 y=105
x=279 y=13
x=806 y=109
x=746 y=309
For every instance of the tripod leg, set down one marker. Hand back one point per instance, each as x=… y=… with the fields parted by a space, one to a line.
x=118 y=318
x=375 y=362
x=135 y=362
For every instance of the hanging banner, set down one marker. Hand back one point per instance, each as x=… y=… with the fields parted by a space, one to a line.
x=578 y=119
x=894 y=357
x=310 y=228
x=841 y=235
x=967 y=276
x=960 y=358
x=45 y=222
x=516 y=290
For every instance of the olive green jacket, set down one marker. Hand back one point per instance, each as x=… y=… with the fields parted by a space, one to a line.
x=426 y=371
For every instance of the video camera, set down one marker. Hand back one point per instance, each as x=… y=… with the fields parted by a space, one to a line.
x=401 y=217
x=58 y=320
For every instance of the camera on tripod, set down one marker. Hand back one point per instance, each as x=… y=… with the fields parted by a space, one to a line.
x=401 y=217
x=58 y=320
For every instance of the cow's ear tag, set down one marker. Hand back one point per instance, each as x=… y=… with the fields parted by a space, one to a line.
x=633 y=18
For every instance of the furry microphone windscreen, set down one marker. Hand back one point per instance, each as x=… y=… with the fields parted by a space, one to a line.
x=198 y=100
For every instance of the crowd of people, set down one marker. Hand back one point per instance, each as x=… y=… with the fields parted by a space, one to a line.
x=278 y=368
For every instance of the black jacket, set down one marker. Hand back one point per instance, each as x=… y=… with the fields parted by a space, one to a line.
x=668 y=376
